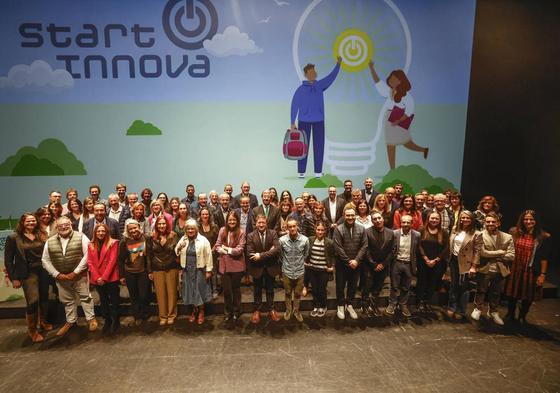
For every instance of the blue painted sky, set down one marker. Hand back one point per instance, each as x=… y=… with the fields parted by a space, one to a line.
x=441 y=50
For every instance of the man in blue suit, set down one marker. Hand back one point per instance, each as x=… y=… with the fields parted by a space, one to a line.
x=309 y=108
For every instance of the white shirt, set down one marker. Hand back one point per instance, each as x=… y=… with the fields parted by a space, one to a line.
x=403 y=253
x=458 y=242
x=115 y=214
x=332 y=209
x=47 y=262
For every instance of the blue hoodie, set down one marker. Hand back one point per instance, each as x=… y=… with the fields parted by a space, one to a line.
x=308 y=104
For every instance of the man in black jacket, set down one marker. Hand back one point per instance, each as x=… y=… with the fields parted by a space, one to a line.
x=350 y=246
x=378 y=260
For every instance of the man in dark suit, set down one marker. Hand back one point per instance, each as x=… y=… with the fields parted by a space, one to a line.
x=221 y=213
x=405 y=249
x=377 y=262
x=334 y=207
x=246 y=216
x=272 y=213
x=263 y=249
x=100 y=216
x=245 y=188
x=347 y=193
x=390 y=194
x=368 y=193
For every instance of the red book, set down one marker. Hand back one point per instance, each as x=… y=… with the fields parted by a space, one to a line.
x=396 y=114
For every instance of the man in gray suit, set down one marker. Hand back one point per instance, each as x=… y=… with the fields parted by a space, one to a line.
x=334 y=207
x=405 y=249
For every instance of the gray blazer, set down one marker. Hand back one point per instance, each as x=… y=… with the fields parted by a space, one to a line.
x=414 y=247
x=502 y=251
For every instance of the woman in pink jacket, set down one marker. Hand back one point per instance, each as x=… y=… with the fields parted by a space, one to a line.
x=104 y=274
x=230 y=246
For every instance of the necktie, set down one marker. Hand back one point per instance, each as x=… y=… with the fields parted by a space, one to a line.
x=266 y=211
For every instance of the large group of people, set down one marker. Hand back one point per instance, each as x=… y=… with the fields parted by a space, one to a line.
x=201 y=245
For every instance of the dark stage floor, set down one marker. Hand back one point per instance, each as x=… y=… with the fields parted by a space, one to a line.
x=424 y=354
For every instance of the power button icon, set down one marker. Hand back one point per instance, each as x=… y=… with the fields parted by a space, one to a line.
x=187 y=23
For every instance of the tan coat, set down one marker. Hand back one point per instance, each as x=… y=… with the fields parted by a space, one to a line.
x=502 y=251
x=469 y=254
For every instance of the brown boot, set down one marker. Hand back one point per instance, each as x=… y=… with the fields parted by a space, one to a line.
x=32 y=328
x=64 y=329
x=43 y=317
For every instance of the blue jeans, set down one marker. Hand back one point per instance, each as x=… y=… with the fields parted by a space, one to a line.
x=318 y=144
x=459 y=288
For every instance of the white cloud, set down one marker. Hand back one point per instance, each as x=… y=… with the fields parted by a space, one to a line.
x=231 y=42
x=37 y=76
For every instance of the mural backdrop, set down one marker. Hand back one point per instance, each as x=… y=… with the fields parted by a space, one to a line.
x=165 y=93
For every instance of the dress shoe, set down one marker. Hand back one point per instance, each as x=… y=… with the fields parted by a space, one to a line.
x=200 y=319
x=405 y=311
x=273 y=315
x=390 y=310
x=92 y=325
x=32 y=328
x=256 y=317
x=162 y=322
x=64 y=329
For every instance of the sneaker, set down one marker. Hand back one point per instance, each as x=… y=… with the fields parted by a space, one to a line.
x=314 y=312
x=321 y=312
x=287 y=315
x=351 y=311
x=298 y=316
x=476 y=314
x=390 y=310
x=301 y=175
x=340 y=312
x=318 y=175
x=405 y=311
x=496 y=318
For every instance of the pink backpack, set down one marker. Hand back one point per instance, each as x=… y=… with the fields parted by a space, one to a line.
x=295 y=145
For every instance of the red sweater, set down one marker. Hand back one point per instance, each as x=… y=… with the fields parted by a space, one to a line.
x=104 y=265
x=416 y=219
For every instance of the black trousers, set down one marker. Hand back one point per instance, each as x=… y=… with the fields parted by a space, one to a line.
x=429 y=280
x=138 y=285
x=319 y=280
x=265 y=281
x=110 y=299
x=346 y=280
x=231 y=282
x=401 y=277
x=373 y=282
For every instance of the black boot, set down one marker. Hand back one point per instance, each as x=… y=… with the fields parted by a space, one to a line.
x=510 y=316
x=523 y=312
x=107 y=325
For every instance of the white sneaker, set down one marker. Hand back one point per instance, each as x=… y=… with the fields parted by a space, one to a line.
x=475 y=314
x=314 y=312
x=496 y=318
x=301 y=175
x=321 y=312
x=340 y=312
x=351 y=311
x=318 y=175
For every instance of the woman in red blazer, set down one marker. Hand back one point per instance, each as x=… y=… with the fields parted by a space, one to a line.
x=104 y=274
